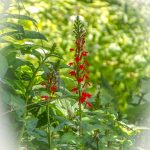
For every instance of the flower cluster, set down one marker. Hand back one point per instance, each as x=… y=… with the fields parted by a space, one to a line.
x=80 y=66
x=50 y=85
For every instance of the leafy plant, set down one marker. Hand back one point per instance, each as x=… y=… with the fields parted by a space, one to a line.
x=35 y=88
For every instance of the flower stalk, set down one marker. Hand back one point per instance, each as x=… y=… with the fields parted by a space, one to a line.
x=80 y=69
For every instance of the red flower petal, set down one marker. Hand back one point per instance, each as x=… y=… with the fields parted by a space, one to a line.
x=44 y=97
x=74 y=90
x=77 y=59
x=71 y=49
x=53 y=88
x=82 y=99
x=84 y=53
x=86 y=77
x=80 y=80
x=71 y=64
x=72 y=73
x=86 y=63
x=81 y=66
x=83 y=94
x=88 y=104
x=88 y=95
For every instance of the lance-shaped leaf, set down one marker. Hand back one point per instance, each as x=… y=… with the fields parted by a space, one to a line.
x=11 y=26
x=17 y=16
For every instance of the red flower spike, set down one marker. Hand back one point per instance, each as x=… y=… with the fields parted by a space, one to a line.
x=77 y=59
x=71 y=49
x=80 y=80
x=44 y=97
x=74 y=90
x=82 y=99
x=88 y=104
x=72 y=73
x=53 y=88
x=84 y=53
x=71 y=64
x=81 y=67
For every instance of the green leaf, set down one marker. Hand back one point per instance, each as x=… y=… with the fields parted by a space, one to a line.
x=17 y=16
x=34 y=35
x=3 y=66
x=11 y=26
x=55 y=55
x=31 y=124
x=18 y=104
x=19 y=35
x=37 y=54
x=5 y=95
x=9 y=33
x=19 y=62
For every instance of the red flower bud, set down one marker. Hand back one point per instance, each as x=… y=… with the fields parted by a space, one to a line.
x=44 y=97
x=88 y=95
x=53 y=88
x=81 y=66
x=74 y=90
x=72 y=73
x=88 y=104
x=71 y=64
x=77 y=59
x=84 y=53
x=82 y=99
x=71 y=49
x=80 y=80
x=86 y=63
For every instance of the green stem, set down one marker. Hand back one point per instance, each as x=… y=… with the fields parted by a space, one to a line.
x=48 y=127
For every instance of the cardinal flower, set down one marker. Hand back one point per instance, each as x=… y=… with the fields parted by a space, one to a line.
x=81 y=66
x=82 y=99
x=86 y=63
x=77 y=59
x=80 y=80
x=53 y=88
x=44 y=97
x=88 y=104
x=71 y=64
x=71 y=49
x=74 y=90
x=84 y=53
x=72 y=73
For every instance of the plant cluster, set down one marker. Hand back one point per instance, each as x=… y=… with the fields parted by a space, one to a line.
x=45 y=113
